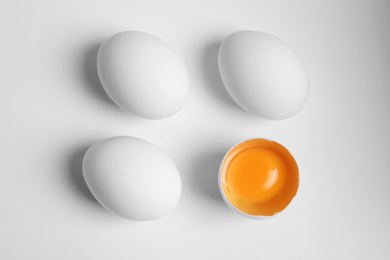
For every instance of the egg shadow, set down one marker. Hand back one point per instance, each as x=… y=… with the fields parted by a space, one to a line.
x=76 y=173
x=213 y=76
x=205 y=175
x=91 y=76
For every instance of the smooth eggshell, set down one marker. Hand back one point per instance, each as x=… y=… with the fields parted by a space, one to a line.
x=143 y=75
x=263 y=74
x=132 y=178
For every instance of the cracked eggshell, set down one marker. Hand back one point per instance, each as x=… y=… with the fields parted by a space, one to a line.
x=263 y=74
x=262 y=187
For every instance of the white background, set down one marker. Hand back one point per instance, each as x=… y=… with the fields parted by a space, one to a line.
x=52 y=108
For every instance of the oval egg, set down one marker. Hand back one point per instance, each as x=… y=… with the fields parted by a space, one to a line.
x=132 y=178
x=263 y=74
x=143 y=75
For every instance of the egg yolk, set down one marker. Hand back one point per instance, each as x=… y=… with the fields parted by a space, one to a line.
x=259 y=177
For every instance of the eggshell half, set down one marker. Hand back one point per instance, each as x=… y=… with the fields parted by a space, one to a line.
x=275 y=196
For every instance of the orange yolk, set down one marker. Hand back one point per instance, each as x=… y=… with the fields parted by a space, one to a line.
x=259 y=177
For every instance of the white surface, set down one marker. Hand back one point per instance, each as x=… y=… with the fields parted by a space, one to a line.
x=132 y=178
x=53 y=109
x=263 y=74
x=143 y=75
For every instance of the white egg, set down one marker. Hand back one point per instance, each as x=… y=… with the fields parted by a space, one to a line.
x=132 y=178
x=143 y=75
x=263 y=74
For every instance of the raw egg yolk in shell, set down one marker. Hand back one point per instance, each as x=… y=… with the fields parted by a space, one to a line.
x=259 y=177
